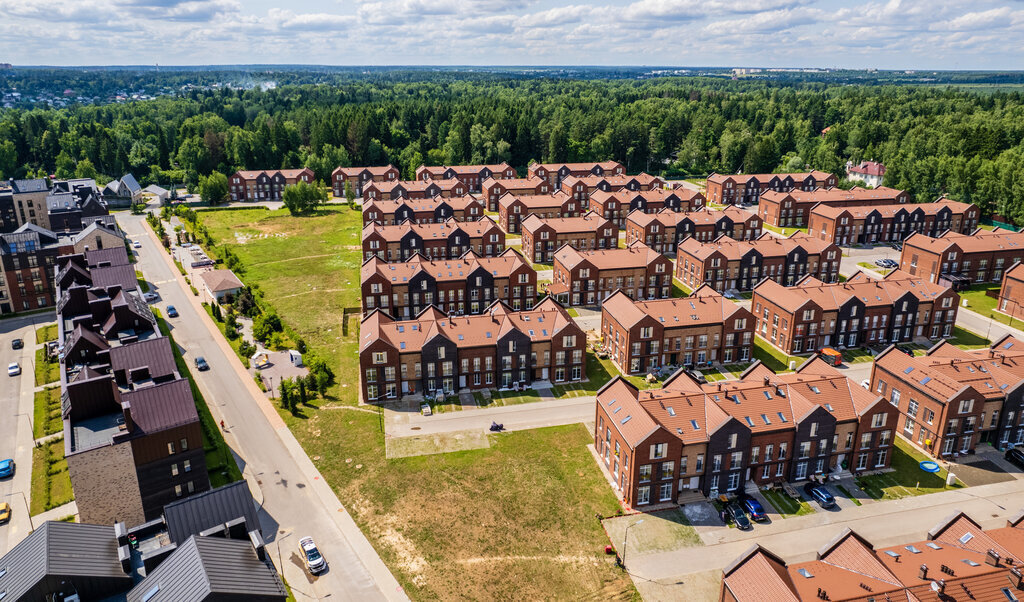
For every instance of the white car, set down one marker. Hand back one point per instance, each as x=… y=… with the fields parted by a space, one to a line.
x=311 y=556
x=13 y=369
x=136 y=245
x=866 y=384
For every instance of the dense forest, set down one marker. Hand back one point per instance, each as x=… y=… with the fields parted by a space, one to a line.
x=966 y=145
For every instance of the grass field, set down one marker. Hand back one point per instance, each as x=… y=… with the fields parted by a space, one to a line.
x=774 y=358
x=981 y=303
x=51 y=481
x=475 y=524
x=45 y=334
x=46 y=371
x=965 y=339
x=143 y=285
x=784 y=231
x=907 y=479
x=47 y=416
x=873 y=267
x=785 y=505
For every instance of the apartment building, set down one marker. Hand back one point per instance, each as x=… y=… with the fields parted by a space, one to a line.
x=493 y=190
x=726 y=189
x=792 y=208
x=951 y=399
x=589 y=277
x=700 y=330
x=716 y=438
x=266 y=185
x=588 y=232
x=358 y=177
x=434 y=210
x=664 y=230
x=554 y=173
x=1011 y=293
x=617 y=205
x=957 y=561
x=862 y=311
x=446 y=240
x=467 y=285
x=71 y=205
x=472 y=176
x=512 y=209
x=392 y=190
x=581 y=188
x=727 y=264
x=437 y=353
x=132 y=437
x=961 y=259
x=24 y=202
x=27 y=257
x=890 y=223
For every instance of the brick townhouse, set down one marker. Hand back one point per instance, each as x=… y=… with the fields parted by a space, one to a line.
x=890 y=223
x=447 y=240
x=664 y=230
x=27 y=257
x=466 y=285
x=414 y=189
x=740 y=264
x=861 y=311
x=554 y=173
x=961 y=259
x=1011 y=293
x=700 y=330
x=726 y=189
x=958 y=561
x=716 y=438
x=492 y=190
x=581 y=188
x=589 y=277
x=358 y=177
x=434 y=210
x=617 y=205
x=792 y=208
x=265 y=185
x=543 y=236
x=499 y=349
x=512 y=209
x=472 y=176
x=951 y=399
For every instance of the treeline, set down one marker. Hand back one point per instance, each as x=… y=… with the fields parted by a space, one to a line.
x=934 y=142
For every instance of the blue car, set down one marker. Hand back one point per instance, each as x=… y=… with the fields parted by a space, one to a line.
x=821 y=495
x=172 y=312
x=755 y=510
x=6 y=468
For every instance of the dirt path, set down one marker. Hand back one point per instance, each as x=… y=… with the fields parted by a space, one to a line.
x=293 y=259
x=560 y=558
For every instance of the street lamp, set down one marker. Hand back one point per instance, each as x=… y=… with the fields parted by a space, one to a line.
x=28 y=511
x=625 y=542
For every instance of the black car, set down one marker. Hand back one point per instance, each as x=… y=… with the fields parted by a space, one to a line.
x=906 y=350
x=821 y=495
x=1016 y=456
x=201 y=363
x=738 y=516
x=17 y=344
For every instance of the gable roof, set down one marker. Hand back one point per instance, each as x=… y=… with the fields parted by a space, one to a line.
x=635 y=255
x=197 y=513
x=221 y=280
x=589 y=222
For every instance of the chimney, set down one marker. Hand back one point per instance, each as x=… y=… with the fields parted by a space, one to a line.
x=126 y=407
x=258 y=544
x=992 y=558
x=767 y=380
x=922 y=574
x=1015 y=579
x=939 y=586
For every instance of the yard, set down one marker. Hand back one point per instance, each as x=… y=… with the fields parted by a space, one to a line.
x=47 y=414
x=785 y=505
x=965 y=339
x=51 y=482
x=47 y=371
x=773 y=357
x=873 y=267
x=784 y=231
x=45 y=334
x=659 y=532
x=474 y=524
x=978 y=301
x=907 y=479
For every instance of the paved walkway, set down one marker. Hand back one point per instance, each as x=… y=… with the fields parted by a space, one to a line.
x=68 y=509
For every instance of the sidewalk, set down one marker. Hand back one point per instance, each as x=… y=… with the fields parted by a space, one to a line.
x=68 y=509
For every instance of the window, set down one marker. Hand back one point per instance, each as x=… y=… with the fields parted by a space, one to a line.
x=912 y=408
x=966 y=405
x=170 y=448
x=716 y=463
x=700 y=463
x=865 y=440
x=878 y=420
x=643 y=495
x=645 y=473
x=658 y=451
x=177 y=490
x=895 y=398
x=667 y=470
x=665 y=492
x=174 y=470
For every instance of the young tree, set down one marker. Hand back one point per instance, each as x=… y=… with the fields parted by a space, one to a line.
x=285 y=390
x=303 y=197
x=350 y=195
x=213 y=189
x=311 y=384
x=302 y=391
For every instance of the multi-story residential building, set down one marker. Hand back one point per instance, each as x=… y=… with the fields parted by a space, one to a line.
x=467 y=285
x=472 y=176
x=358 y=177
x=581 y=188
x=663 y=231
x=617 y=205
x=493 y=190
x=132 y=436
x=392 y=190
x=951 y=399
x=9 y=218
x=72 y=205
x=24 y=203
x=265 y=185
x=810 y=314
x=715 y=438
x=589 y=277
x=890 y=223
x=871 y=173
x=1011 y=293
x=543 y=236
x=726 y=189
x=434 y=210
x=958 y=561
x=554 y=173
x=791 y=208
x=447 y=240
x=700 y=330
x=740 y=264
x=439 y=353
x=122 y=193
x=960 y=259
x=512 y=209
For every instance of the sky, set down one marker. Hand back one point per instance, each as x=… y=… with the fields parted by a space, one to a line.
x=893 y=34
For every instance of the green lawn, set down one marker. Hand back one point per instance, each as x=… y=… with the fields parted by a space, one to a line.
x=965 y=339
x=873 y=267
x=907 y=479
x=978 y=301
x=47 y=418
x=477 y=522
x=679 y=289
x=143 y=285
x=45 y=334
x=51 y=482
x=511 y=398
x=572 y=312
x=784 y=231
x=774 y=358
x=47 y=371
x=541 y=267
x=785 y=505
x=857 y=355
x=848 y=495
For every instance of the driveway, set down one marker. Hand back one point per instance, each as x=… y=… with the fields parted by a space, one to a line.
x=984 y=472
x=515 y=417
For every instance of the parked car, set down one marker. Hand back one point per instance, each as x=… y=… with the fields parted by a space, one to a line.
x=136 y=245
x=425 y=409
x=821 y=495
x=735 y=512
x=172 y=312
x=5 y=512
x=755 y=509
x=1016 y=456
x=311 y=556
x=698 y=376
x=17 y=344
x=6 y=468
x=906 y=350
x=880 y=263
x=866 y=384
x=201 y=364
x=13 y=369
x=890 y=263
x=150 y=297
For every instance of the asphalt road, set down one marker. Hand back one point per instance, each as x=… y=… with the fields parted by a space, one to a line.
x=295 y=500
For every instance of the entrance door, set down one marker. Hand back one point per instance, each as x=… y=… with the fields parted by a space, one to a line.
x=462 y=382
x=544 y=374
